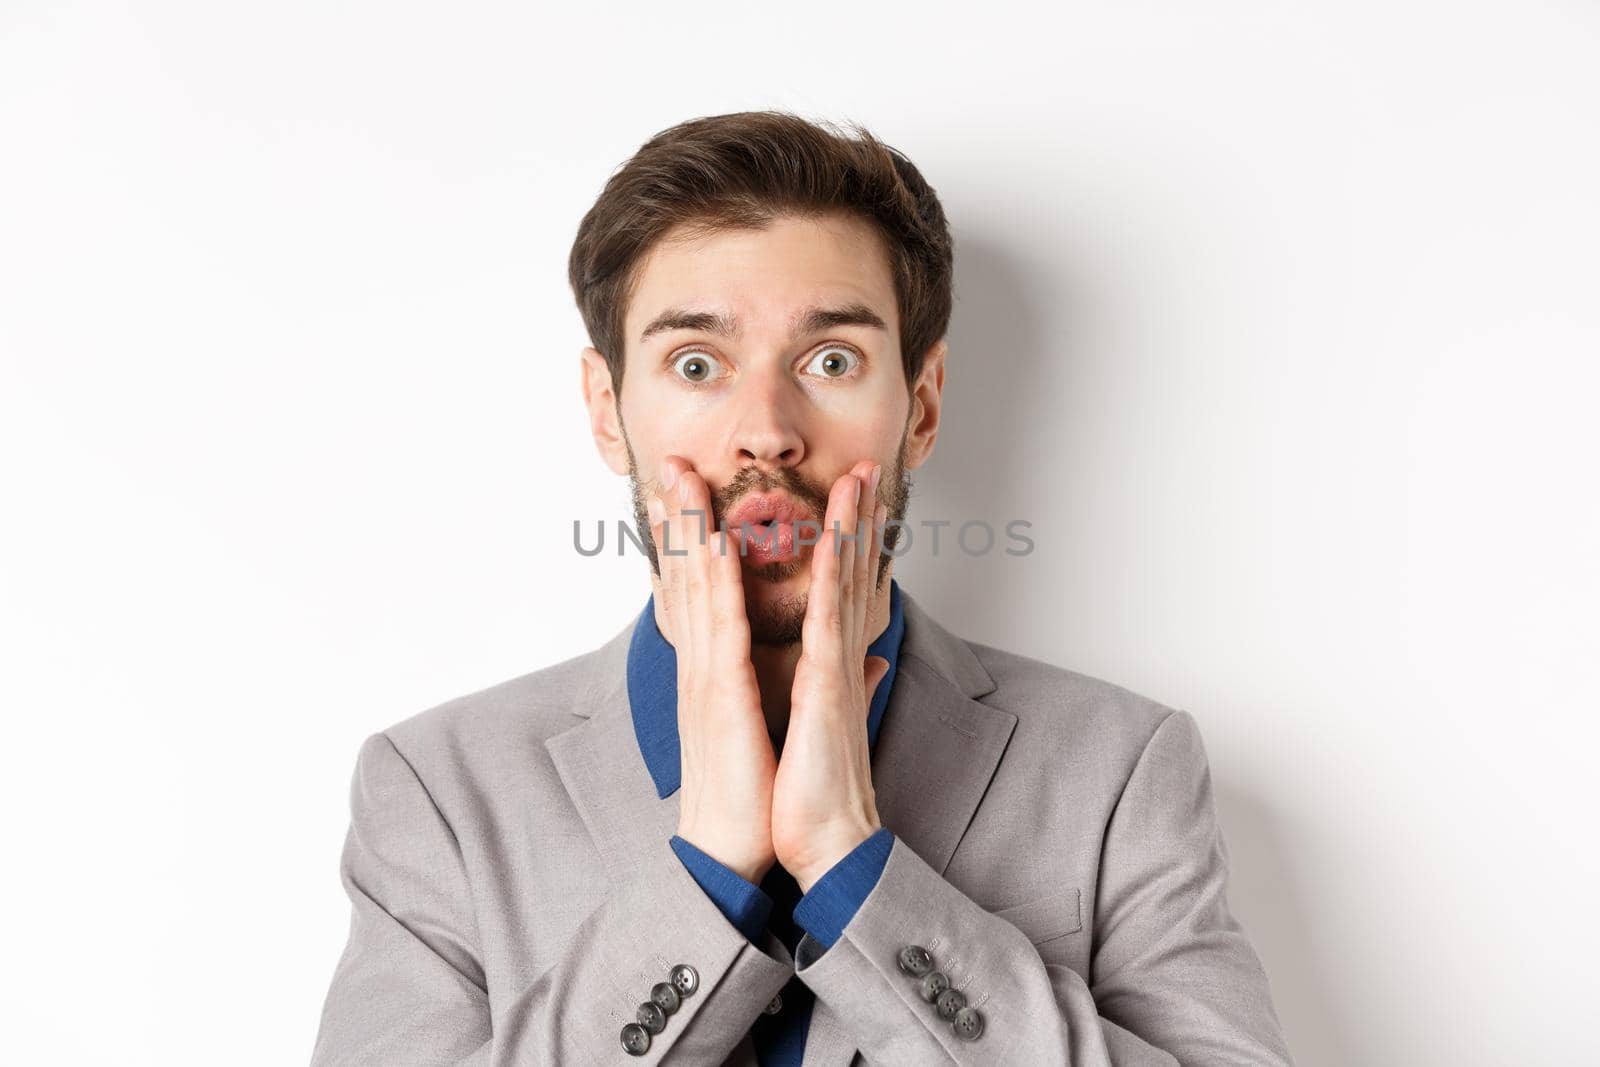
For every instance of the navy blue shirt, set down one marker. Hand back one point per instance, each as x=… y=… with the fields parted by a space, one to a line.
x=777 y=903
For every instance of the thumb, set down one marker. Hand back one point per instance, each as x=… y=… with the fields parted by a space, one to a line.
x=876 y=668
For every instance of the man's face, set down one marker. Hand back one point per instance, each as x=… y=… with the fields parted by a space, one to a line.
x=766 y=408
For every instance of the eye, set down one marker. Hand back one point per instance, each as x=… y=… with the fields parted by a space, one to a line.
x=696 y=367
x=834 y=361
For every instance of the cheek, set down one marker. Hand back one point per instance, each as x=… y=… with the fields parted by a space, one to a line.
x=872 y=418
x=661 y=424
x=843 y=451
x=861 y=431
x=672 y=439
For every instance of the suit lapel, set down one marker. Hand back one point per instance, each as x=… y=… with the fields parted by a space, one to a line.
x=935 y=756
x=604 y=772
x=939 y=746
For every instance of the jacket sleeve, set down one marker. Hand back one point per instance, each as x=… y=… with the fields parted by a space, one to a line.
x=1174 y=978
x=410 y=985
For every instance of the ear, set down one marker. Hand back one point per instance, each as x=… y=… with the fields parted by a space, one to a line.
x=923 y=426
x=601 y=401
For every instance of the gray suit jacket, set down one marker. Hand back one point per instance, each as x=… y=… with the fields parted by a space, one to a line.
x=514 y=896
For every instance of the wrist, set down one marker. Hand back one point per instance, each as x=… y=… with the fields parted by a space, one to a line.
x=751 y=870
x=828 y=857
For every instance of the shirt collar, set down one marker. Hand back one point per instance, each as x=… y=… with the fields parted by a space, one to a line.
x=653 y=689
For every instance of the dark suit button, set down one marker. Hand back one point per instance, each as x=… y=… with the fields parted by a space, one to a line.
x=774 y=1006
x=934 y=983
x=651 y=1017
x=968 y=1024
x=915 y=961
x=685 y=979
x=950 y=1002
x=636 y=1039
x=665 y=997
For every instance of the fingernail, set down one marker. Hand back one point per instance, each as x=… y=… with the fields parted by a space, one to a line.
x=652 y=507
x=876 y=470
x=669 y=474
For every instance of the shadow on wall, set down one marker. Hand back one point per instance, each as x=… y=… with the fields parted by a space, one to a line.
x=1281 y=924
x=1012 y=385
x=992 y=413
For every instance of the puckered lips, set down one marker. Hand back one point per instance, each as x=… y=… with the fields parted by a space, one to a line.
x=772 y=518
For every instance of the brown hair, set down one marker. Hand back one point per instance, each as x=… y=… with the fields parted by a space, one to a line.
x=740 y=170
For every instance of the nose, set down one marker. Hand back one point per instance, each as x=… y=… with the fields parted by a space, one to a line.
x=766 y=422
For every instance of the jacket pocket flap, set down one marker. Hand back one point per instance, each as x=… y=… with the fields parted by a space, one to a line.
x=1046 y=918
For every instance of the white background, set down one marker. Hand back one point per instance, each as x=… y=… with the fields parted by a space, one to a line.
x=1278 y=321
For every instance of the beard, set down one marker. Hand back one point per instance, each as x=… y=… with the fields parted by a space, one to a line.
x=778 y=621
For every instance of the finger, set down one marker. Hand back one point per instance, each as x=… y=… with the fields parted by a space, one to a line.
x=825 y=600
x=822 y=598
x=849 y=540
x=851 y=589
x=656 y=517
x=670 y=553
x=875 y=670
x=730 y=625
x=694 y=507
x=862 y=587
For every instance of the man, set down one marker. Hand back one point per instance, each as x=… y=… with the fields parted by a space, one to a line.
x=783 y=816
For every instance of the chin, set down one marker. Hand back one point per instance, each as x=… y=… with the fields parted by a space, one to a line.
x=776 y=607
x=794 y=574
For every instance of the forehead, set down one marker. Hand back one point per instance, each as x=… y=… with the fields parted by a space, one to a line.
x=761 y=276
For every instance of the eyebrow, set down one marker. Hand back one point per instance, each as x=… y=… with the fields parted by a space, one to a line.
x=807 y=321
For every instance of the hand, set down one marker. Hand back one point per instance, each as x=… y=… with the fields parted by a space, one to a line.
x=727 y=758
x=823 y=804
